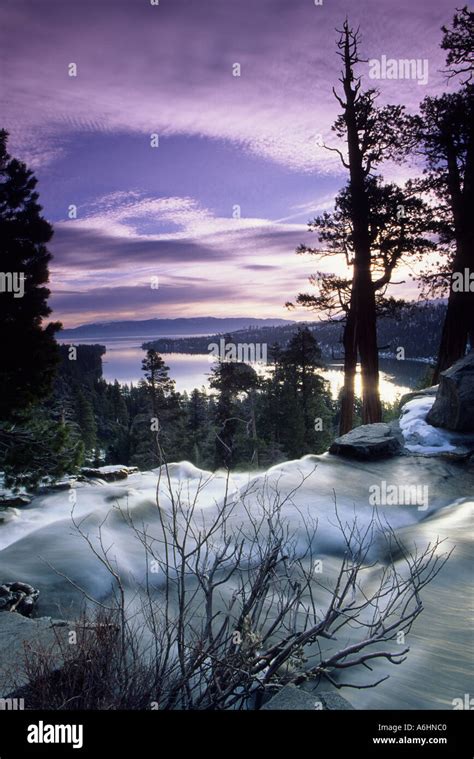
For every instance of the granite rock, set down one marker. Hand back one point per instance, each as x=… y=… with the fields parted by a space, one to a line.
x=369 y=441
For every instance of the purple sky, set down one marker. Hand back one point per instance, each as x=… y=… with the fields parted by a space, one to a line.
x=250 y=141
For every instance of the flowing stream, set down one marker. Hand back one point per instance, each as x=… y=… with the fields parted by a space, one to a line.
x=40 y=545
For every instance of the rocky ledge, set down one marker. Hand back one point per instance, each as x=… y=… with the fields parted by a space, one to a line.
x=453 y=408
x=369 y=441
x=20 y=634
x=18 y=596
x=298 y=698
x=109 y=473
x=435 y=420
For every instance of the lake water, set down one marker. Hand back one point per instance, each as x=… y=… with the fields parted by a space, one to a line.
x=122 y=362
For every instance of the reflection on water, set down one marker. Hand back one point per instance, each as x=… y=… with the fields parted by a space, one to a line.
x=123 y=359
x=390 y=389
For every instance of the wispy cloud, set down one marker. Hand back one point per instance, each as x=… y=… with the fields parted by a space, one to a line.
x=169 y=69
x=253 y=139
x=105 y=251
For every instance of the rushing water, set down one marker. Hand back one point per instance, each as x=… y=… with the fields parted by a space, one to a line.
x=40 y=545
x=123 y=358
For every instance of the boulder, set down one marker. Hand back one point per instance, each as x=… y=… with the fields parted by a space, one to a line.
x=329 y=699
x=14 y=501
x=20 y=635
x=293 y=698
x=109 y=473
x=369 y=441
x=6 y=515
x=334 y=701
x=426 y=392
x=57 y=486
x=18 y=596
x=453 y=408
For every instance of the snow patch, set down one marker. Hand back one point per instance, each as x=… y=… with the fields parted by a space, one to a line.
x=421 y=437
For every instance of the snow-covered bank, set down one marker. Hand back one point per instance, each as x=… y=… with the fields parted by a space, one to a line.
x=421 y=437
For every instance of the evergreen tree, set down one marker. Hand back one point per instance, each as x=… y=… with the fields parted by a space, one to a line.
x=29 y=350
x=157 y=380
x=43 y=448
x=445 y=131
x=305 y=405
x=231 y=379
x=119 y=407
x=399 y=224
x=36 y=441
x=157 y=421
x=197 y=427
x=372 y=134
x=86 y=420
x=458 y=40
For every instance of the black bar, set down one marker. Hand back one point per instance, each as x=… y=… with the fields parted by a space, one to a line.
x=222 y=734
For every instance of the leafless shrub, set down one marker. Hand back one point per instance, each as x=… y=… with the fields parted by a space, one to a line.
x=234 y=606
x=91 y=673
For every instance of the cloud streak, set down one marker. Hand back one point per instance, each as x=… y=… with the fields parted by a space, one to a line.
x=250 y=142
x=168 y=69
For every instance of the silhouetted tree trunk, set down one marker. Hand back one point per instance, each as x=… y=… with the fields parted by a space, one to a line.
x=363 y=292
x=459 y=321
x=365 y=227
x=458 y=327
x=346 y=420
x=255 y=457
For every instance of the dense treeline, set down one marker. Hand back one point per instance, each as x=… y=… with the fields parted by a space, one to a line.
x=247 y=419
x=415 y=326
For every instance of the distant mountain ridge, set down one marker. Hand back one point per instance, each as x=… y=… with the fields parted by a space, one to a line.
x=181 y=326
x=417 y=330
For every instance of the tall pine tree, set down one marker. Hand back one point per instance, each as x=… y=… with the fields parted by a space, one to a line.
x=29 y=352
